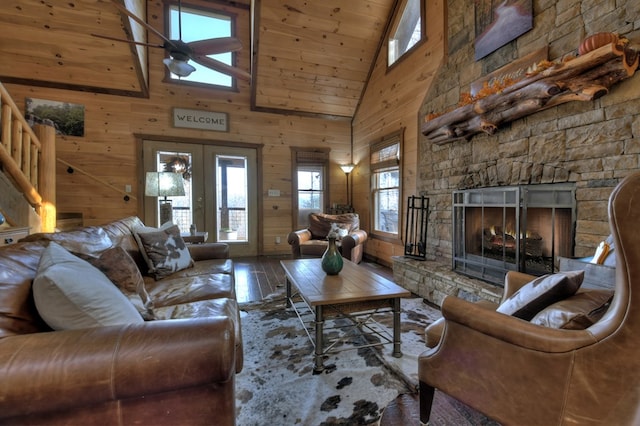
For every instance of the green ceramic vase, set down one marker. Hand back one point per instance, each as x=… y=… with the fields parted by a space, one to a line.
x=332 y=259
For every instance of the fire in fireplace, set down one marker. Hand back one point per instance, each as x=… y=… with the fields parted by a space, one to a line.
x=521 y=228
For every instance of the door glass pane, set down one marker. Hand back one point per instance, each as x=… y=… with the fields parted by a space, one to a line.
x=182 y=206
x=231 y=196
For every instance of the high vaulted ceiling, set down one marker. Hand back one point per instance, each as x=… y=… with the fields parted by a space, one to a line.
x=310 y=57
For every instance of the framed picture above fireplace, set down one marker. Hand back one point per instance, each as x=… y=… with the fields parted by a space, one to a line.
x=498 y=23
x=516 y=228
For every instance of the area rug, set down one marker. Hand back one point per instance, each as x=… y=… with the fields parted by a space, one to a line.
x=277 y=385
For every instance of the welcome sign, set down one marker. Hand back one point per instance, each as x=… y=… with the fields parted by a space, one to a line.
x=204 y=120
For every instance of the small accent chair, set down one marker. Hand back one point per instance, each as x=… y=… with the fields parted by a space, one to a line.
x=519 y=373
x=312 y=242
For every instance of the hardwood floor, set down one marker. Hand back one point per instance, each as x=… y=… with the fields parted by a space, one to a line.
x=258 y=277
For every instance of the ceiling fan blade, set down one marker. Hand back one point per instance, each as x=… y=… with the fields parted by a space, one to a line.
x=222 y=67
x=124 y=40
x=213 y=46
x=126 y=11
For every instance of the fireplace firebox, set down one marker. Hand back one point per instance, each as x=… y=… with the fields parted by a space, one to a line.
x=521 y=228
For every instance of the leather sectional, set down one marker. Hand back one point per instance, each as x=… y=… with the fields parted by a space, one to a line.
x=178 y=368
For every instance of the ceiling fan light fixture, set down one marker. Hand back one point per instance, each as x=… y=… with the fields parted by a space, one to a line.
x=179 y=67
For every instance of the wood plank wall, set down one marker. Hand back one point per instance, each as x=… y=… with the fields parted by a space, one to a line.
x=392 y=101
x=109 y=150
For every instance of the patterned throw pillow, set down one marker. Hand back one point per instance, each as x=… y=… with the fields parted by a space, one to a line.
x=577 y=312
x=338 y=230
x=164 y=250
x=540 y=293
x=123 y=271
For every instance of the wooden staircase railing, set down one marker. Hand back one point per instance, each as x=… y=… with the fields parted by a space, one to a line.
x=28 y=157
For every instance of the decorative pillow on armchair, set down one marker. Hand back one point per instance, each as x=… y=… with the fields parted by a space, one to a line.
x=164 y=250
x=70 y=293
x=577 y=312
x=540 y=293
x=320 y=224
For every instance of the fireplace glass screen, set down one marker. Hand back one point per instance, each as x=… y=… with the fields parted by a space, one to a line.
x=519 y=228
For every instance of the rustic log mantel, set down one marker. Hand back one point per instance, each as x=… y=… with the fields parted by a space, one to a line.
x=584 y=78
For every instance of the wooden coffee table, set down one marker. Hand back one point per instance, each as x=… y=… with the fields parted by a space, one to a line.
x=354 y=293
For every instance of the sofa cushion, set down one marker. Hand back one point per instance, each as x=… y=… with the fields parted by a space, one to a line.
x=70 y=293
x=576 y=312
x=175 y=290
x=90 y=241
x=18 y=268
x=123 y=271
x=540 y=293
x=164 y=249
x=121 y=234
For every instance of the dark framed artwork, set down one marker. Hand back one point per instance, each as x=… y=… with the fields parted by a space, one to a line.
x=68 y=119
x=499 y=22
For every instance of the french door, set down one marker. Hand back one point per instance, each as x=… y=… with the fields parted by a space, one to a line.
x=220 y=185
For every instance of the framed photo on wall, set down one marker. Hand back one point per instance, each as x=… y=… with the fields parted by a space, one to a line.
x=67 y=118
x=499 y=22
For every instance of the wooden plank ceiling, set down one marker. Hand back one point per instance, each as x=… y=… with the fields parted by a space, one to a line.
x=310 y=57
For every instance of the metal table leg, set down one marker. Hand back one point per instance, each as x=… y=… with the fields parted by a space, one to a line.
x=397 y=353
x=318 y=361
x=288 y=284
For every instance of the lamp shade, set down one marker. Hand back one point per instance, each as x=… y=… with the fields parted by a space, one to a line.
x=179 y=67
x=163 y=184
x=347 y=168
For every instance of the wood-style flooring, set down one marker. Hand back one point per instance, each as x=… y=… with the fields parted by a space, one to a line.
x=258 y=277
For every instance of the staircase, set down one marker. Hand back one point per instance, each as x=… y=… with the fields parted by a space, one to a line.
x=27 y=160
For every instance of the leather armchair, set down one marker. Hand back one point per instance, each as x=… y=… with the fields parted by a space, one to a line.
x=524 y=374
x=312 y=242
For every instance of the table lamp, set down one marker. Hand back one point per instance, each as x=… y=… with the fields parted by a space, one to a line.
x=164 y=184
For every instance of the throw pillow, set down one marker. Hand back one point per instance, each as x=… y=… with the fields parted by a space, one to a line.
x=70 y=293
x=165 y=250
x=338 y=231
x=123 y=271
x=540 y=293
x=577 y=312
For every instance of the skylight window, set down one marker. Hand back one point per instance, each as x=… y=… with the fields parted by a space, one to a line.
x=406 y=31
x=201 y=25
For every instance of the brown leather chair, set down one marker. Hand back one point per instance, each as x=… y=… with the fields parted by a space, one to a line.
x=523 y=374
x=312 y=242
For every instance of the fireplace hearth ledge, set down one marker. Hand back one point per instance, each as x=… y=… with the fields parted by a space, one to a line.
x=433 y=280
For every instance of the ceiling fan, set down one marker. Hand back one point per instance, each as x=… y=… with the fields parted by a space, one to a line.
x=180 y=52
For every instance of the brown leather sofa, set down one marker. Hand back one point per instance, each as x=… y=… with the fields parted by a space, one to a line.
x=177 y=369
x=312 y=242
x=520 y=373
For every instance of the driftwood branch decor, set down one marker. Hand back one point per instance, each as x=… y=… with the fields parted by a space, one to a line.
x=584 y=78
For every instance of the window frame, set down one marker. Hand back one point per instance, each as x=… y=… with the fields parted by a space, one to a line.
x=305 y=157
x=389 y=140
x=395 y=22
x=168 y=6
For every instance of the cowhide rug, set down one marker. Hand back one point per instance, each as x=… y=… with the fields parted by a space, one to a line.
x=277 y=385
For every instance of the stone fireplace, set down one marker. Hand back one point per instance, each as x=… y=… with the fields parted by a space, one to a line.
x=588 y=146
x=516 y=228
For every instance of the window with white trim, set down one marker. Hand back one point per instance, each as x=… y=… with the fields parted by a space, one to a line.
x=386 y=178
x=310 y=182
